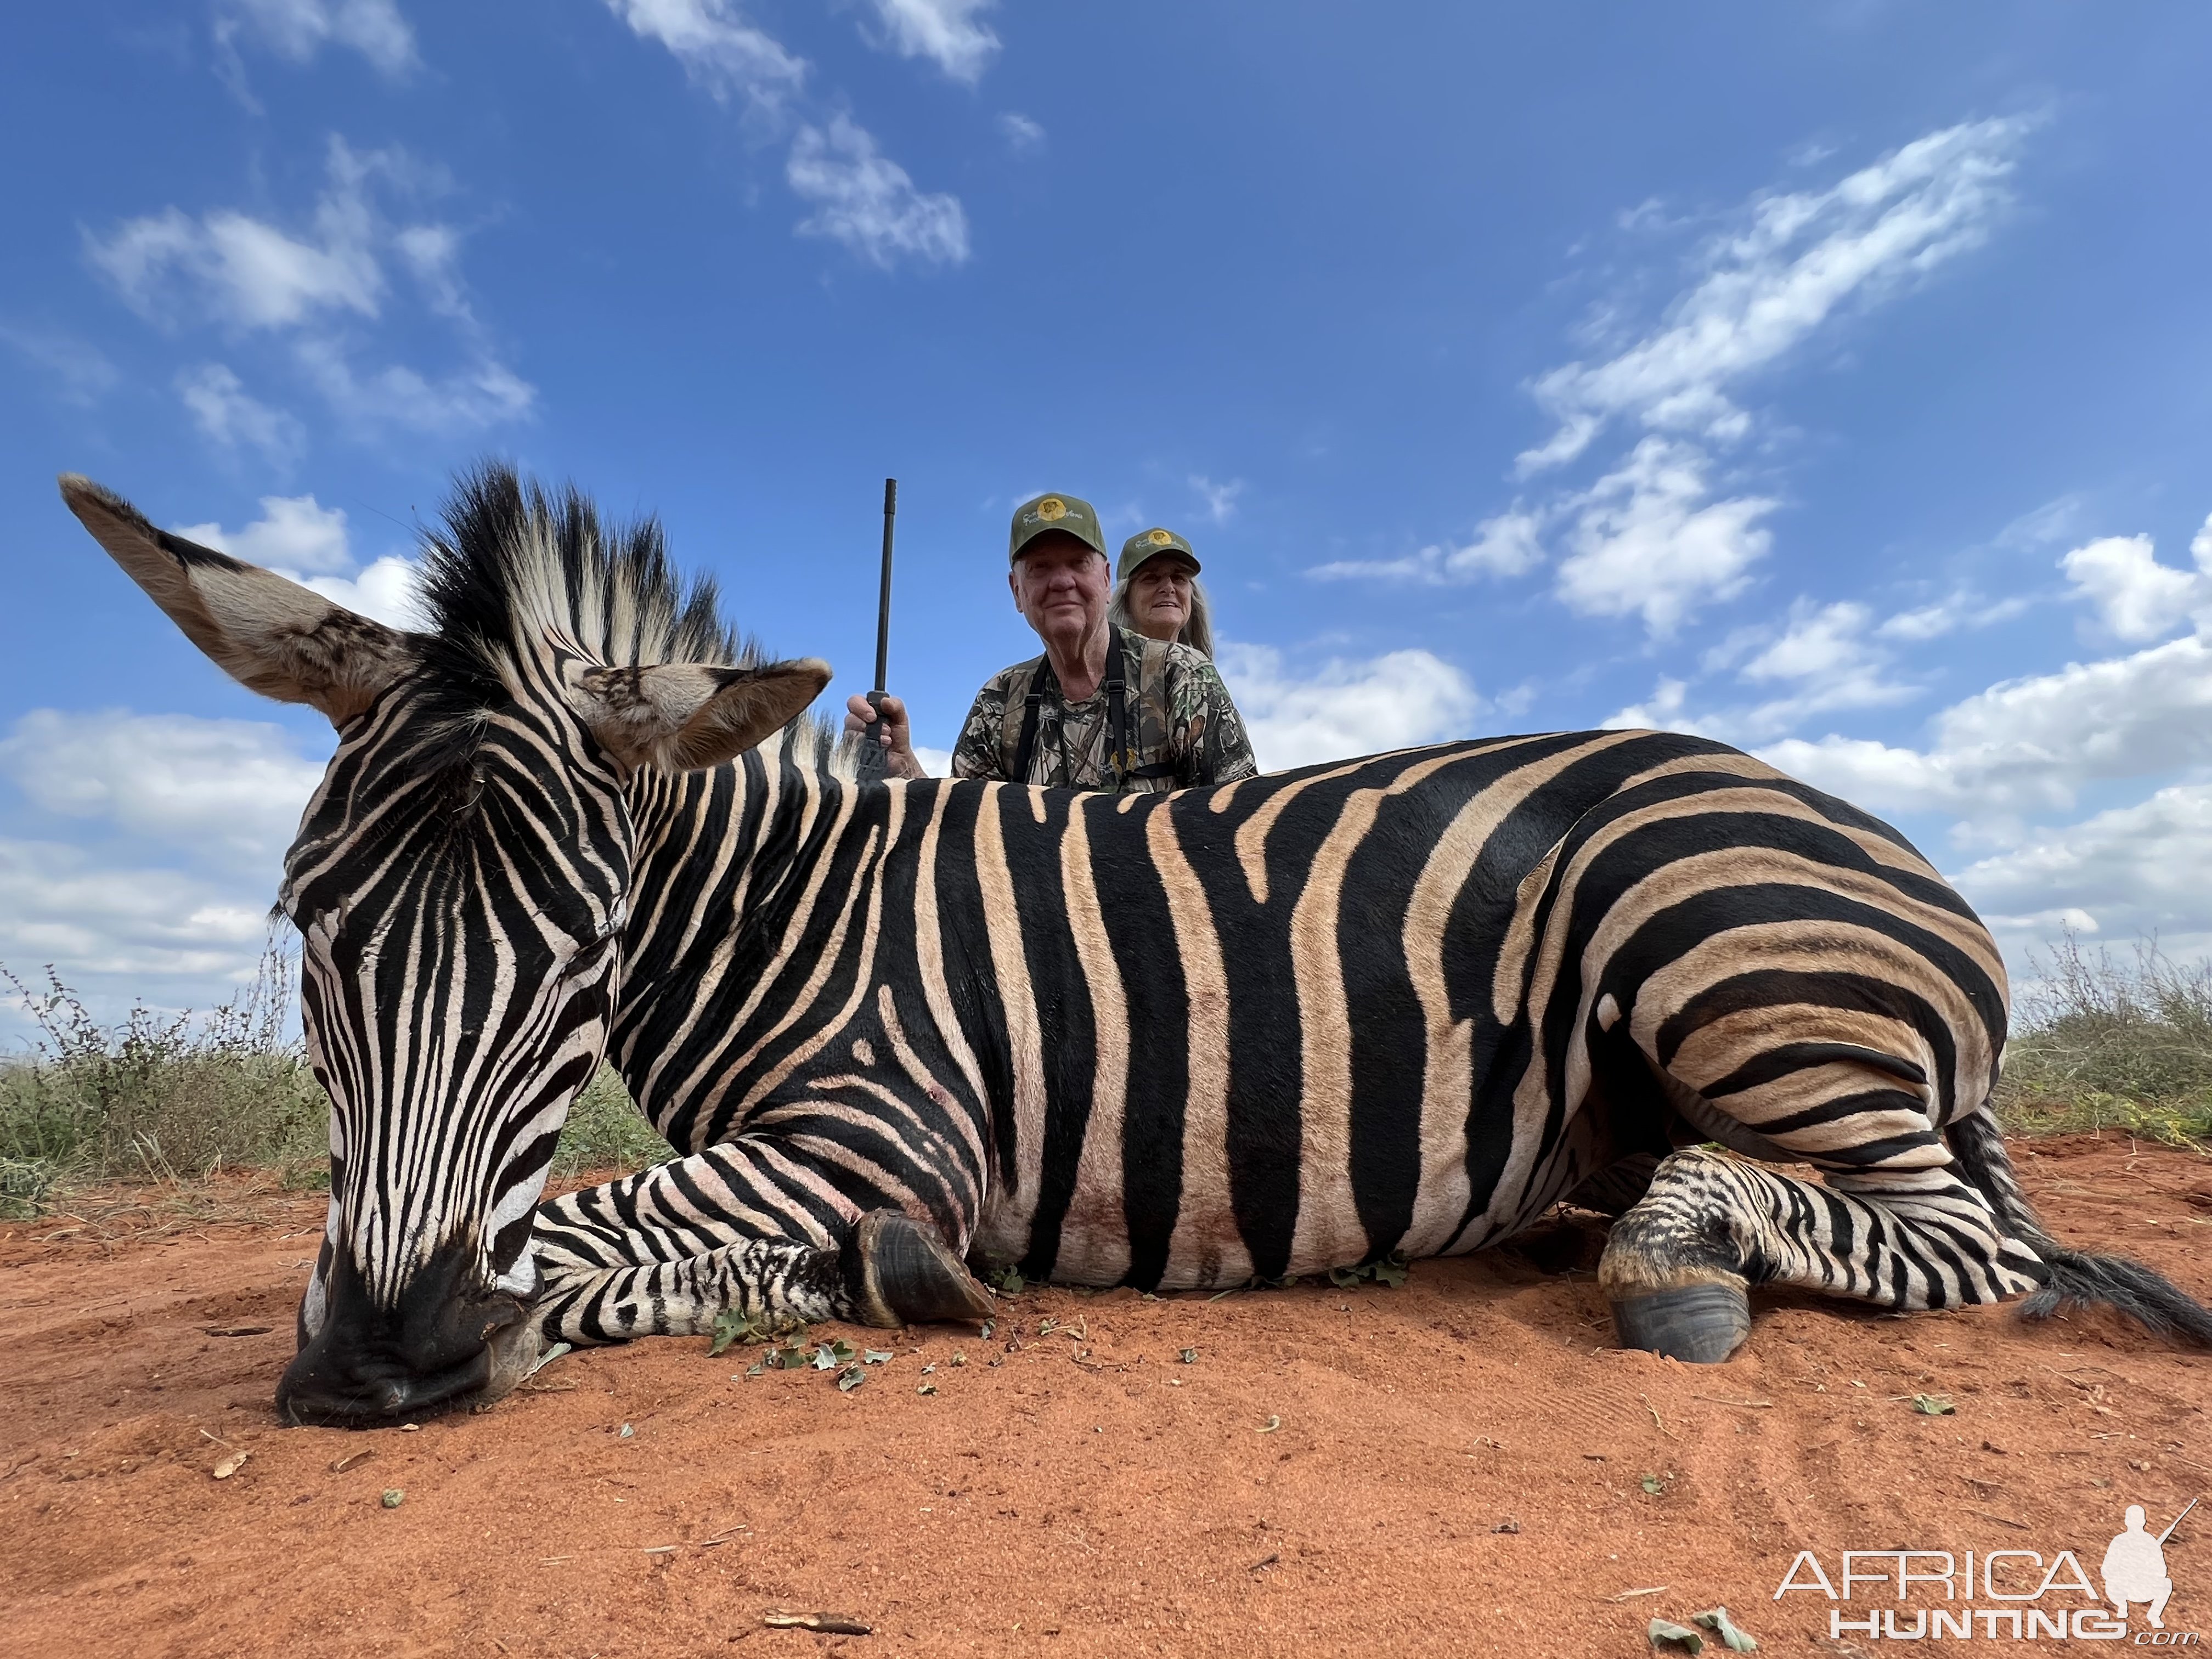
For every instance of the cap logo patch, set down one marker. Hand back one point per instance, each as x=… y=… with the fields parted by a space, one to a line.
x=1160 y=539
x=1051 y=509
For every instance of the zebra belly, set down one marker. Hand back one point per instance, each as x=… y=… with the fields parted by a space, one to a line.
x=1208 y=1251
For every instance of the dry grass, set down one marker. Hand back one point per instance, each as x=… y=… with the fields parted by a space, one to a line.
x=2105 y=1044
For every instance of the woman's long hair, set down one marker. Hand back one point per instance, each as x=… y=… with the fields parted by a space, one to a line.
x=1197 y=633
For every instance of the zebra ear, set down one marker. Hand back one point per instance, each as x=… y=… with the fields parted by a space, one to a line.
x=681 y=716
x=270 y=635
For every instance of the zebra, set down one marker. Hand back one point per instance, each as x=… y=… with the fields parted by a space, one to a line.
x=1401 y=1005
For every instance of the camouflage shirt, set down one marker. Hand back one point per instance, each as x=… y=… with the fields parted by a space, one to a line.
x=1183 y=728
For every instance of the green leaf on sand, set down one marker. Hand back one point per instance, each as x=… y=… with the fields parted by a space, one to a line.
x=1716 y=1620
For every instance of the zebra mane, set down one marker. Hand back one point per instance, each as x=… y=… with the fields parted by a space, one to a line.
x=512 y=561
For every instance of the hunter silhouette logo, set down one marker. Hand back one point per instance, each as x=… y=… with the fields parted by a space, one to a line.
x=2001 y=1593
x=2134 y=1567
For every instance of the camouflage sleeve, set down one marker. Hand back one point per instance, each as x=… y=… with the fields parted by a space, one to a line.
x=1212 y=747
x=979 y=753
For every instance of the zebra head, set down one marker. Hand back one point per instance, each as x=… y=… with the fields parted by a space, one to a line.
x=459 y=884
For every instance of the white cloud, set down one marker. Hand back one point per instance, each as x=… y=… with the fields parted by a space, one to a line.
x=1796 y=259
x=246 y=274
x=1220 y=499
x=1877 y=775
x=2135 y=597
x=2145 y=869
x=2032 y=743
x=720 y=48
x=1021 y=133
x=389 y=591
x=487 y=393
x=315 y=286
x=1822 y=643
x=157 y=882
x=61 y=905
x=83 y=370
x=1648 y=541
x=222 y=407
x=1347 y=709
x=944 y=31
x=433 y=253
x=229 y=791
x=861 y=197
x=299 y=538
x=866 y=201
x=937 y=762
x=1664 y=712
x=1510 y=544
x=295 y=533
x=1826 y=660
x=1821 y=659
x=299 y=29
x=1962 y=609
x=1664 y=533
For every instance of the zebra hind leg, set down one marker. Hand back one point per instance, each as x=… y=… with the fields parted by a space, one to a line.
x=2076 y=1277
x=1679 y=1266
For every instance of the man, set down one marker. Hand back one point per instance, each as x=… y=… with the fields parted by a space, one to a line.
x=1103 y=708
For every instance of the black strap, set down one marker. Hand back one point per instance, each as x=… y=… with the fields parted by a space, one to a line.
x=1117 y=719
x=1026 y=751
x=1118 y=754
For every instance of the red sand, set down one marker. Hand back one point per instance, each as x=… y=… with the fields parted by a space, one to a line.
x=1083 y=1493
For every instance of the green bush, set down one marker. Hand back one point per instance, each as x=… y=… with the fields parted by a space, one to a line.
x=2101 y=1044
x=162 y=1096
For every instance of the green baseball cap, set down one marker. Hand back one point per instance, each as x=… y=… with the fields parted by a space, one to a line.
x=1069 y=514
x=1150 y=544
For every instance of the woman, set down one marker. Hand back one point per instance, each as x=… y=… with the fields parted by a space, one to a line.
x=1157 y=591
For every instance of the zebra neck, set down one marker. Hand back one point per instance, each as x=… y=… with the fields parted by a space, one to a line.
x=754 y=916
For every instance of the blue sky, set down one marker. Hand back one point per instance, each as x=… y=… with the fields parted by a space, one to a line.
x=1835 y=379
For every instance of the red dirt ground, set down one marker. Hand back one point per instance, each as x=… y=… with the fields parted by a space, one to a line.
x=1084 y=1493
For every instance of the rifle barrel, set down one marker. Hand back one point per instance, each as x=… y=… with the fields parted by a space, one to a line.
x=883 y=600
x=2178 y=1519
x=871 y=760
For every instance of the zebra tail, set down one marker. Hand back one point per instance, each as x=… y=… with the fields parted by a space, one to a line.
x=2077 y=1277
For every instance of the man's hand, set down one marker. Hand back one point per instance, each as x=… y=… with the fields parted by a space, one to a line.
x=899 y=760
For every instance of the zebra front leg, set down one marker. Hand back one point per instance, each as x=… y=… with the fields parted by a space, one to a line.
x=667 y=1250
x=771 y=1281
x=1679 y=1264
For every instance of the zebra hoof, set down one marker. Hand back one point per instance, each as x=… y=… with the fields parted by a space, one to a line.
x=909 y=1276
x=1698 y=1324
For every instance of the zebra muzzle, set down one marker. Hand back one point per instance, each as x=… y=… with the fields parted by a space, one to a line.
x=441 y=1344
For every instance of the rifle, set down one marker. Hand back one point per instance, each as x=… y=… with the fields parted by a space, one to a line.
x=2178 y=1519
x=872 y=736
